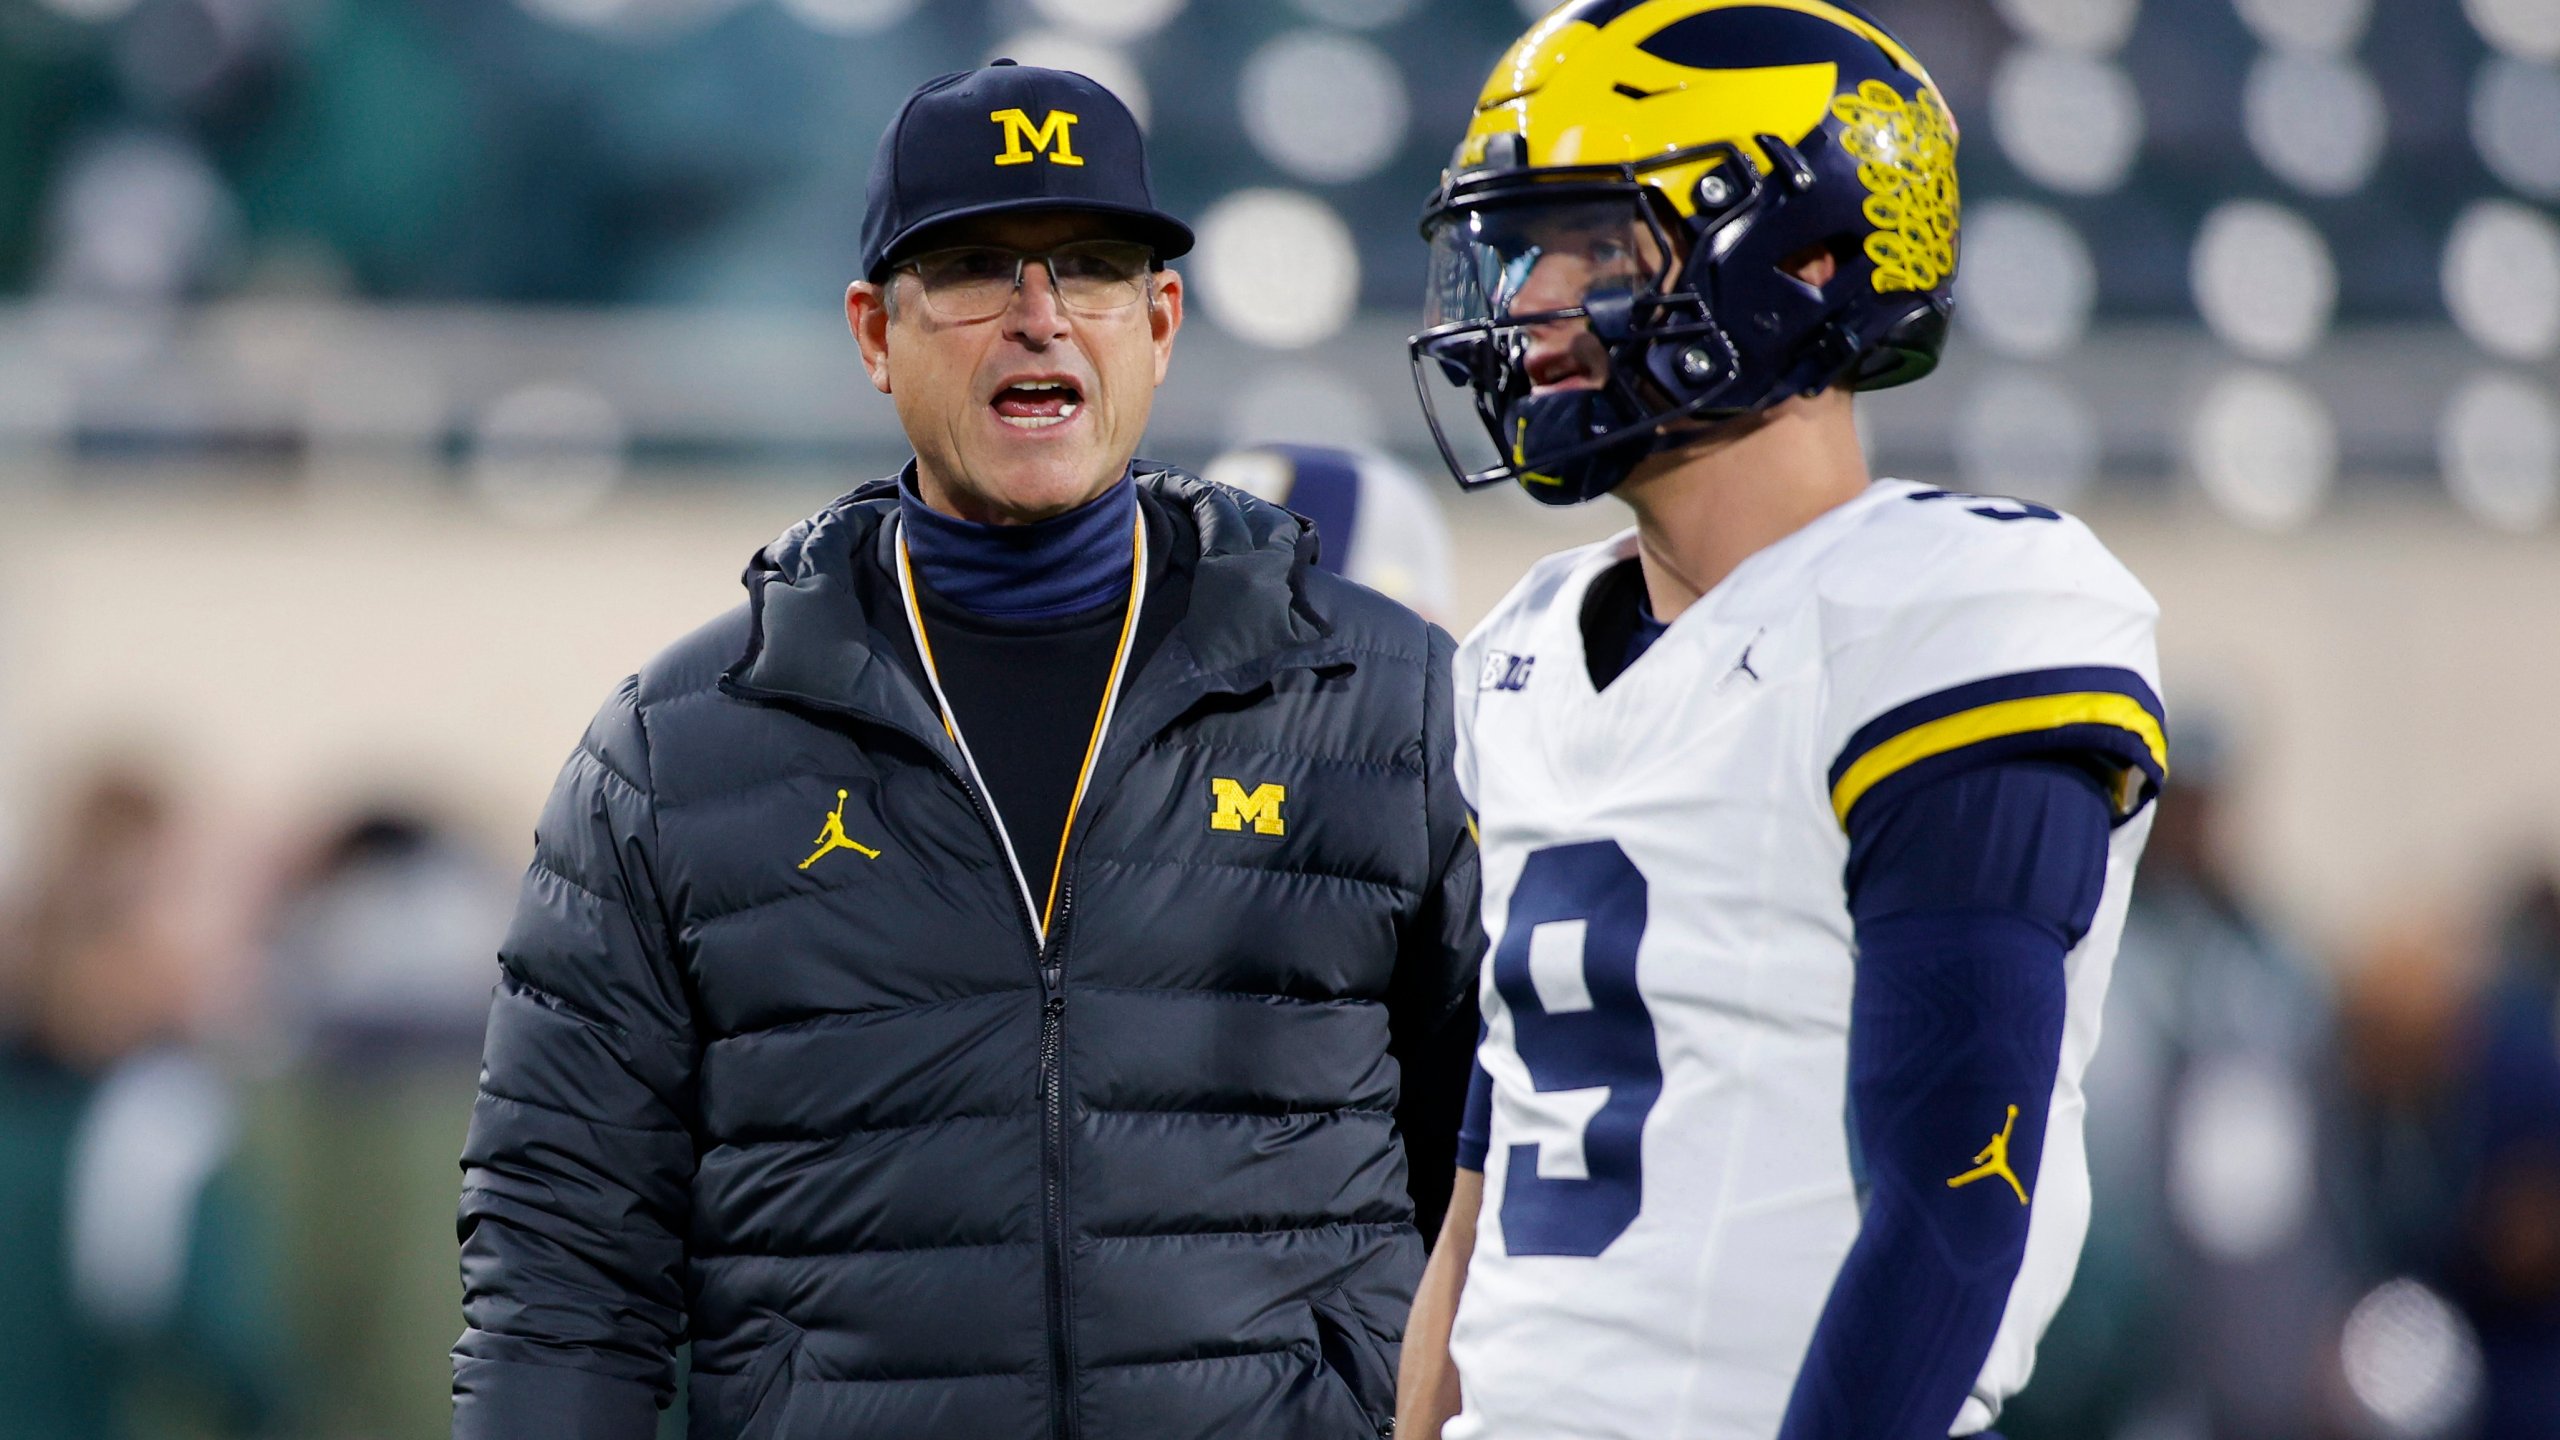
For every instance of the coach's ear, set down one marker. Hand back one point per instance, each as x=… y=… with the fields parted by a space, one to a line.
x=869 y=309
x=1164 y=316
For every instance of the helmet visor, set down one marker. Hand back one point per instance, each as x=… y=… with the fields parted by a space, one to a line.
x=1540 y=259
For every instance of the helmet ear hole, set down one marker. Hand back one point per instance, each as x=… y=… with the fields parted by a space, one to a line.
x=1814 y=265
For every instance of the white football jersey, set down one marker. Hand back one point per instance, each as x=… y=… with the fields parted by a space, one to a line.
x=1668 y=1187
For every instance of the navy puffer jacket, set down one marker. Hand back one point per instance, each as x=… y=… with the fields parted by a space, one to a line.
x=894 y=1170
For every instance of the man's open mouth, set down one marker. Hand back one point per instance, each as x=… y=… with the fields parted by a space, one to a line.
x=1038 y=404
x=1572 y=367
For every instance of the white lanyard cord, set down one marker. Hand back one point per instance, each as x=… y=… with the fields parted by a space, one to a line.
x=1041 y=915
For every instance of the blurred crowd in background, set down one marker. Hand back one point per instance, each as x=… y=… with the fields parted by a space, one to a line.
x=2271 y=250
x=229 y=1118
x=2328 y=1187
x=2278 y=248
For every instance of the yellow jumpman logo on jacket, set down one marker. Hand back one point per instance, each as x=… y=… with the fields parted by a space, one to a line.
x=833 y=837
x=1993 y=1159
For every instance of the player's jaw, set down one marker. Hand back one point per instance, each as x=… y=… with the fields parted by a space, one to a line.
x=1565 y=355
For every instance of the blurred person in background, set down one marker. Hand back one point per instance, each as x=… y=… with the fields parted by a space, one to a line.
x=1376 y=522
x=2455 y=1048
x=2212 y=1279
x=135 y=1286
x=2506 y=1266
x=2405 y=998
x=2409 y=1362
x=382 y=956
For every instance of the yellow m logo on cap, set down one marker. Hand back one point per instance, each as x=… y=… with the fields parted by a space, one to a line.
x=1236 y=809
x=1025 y=142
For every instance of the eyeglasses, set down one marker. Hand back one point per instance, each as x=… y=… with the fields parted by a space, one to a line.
x=976 y=282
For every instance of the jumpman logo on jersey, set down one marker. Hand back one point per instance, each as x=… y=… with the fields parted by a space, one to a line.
x=1743 y=665
x=833 y=837
x=1993 y=1159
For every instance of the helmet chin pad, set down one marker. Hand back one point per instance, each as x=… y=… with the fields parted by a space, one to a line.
x=1564 y=421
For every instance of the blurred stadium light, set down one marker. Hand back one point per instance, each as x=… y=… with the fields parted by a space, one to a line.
x=2412 y=1361
x=849 y=17
x=1114 y=67
x=2350 y=191
x=2023 y=433
x=2500 y=448
x=1111 y=19
x=2088 y=27
x=2071 y=122
x=2265 y=449
x=2264 y=280
x=2030 y=284
x=2502 y=279
x=2515 y=120
x=1277 y=268
x=1327 y=108
x=2518 y=27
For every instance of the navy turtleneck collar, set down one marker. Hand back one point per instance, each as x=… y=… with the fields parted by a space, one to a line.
x=1064 y=565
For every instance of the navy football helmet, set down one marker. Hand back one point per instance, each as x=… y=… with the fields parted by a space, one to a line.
x=1642 y=180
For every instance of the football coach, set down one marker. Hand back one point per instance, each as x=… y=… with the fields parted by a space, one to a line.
x=959 y=990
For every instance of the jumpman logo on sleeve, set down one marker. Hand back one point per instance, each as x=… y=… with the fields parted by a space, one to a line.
x=1993 y=1159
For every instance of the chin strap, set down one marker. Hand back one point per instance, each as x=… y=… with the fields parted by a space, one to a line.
x=1558 y=422
x=1555 y=423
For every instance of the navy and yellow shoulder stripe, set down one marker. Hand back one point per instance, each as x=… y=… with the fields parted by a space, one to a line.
x=2099 y=711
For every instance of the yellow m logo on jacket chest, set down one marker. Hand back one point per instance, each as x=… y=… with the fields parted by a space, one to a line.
x=1025 y=142
x=1237 y=808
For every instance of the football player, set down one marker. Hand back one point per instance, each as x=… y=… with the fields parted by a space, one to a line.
x=1809 y=805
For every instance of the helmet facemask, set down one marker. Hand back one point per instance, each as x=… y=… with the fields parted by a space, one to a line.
x=1565 y=304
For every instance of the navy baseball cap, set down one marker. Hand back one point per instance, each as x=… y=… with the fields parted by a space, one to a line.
x=1009 y=137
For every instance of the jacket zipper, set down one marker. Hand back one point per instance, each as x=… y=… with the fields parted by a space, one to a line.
x=1056 y=1246
x=1053 y=1202
x=1049 y=956
x=1053 y=1128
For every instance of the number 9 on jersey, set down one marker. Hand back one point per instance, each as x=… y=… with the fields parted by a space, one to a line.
x=1579 y=1023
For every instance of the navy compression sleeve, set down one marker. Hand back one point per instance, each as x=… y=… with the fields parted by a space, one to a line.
x=1475 y=1126
x=1966 y=893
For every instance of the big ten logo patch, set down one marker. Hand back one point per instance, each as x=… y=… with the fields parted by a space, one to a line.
x=1233 y=807
x=1024 y=141
x=1506 y=671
